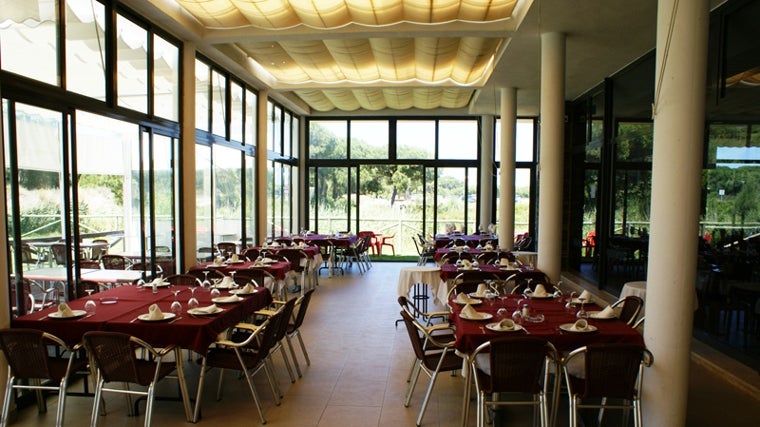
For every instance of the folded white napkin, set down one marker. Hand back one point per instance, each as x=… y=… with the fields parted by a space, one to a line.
x=158 y=281
x=482 y=288
x=580 y=325
x=154 y=313
x=64 y=310
x=234 y=258
x=208 y=309
x=585 y=296
x=607 y=313
x=466 y=264
x=227 y=282
x=218 y=261
x=228 y=298
x=247 y=289
x=504 y=261
x=540 y=291
x=488 y=247
x=468 y=311
x=507 y=325
x=462 y=298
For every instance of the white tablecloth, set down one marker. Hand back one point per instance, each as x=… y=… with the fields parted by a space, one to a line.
x=639 y=288
x=409 y=276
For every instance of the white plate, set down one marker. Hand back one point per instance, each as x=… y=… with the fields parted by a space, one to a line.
x=476 y=295
x=197 y=312
x=57 y=314
x=595 y=315
x=578 y=301
x=230 y=286
x=109 y=300
x=240 y=292
x=146 y=317
x=480 y=316
x=570 y=327
x=226 y=300
x=473 y=302
x=547 y=296
x=240 y=261
x=495 y=327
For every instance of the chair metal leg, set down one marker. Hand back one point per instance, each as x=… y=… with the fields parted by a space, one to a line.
x=293 y=355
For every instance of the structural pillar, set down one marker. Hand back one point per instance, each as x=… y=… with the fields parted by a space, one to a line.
x=188 y=239
x=551 y=154
x=486 y=171
x=507 y=168
x=679 y=115
x=262 y=144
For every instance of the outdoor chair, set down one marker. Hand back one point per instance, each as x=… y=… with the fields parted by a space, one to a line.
x=30 y=361
x=115 y=262
x=508 y=367
x=608 y=372
x=122 y=358
x=386 y=241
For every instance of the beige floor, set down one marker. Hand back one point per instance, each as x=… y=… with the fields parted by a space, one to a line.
x=359 y=363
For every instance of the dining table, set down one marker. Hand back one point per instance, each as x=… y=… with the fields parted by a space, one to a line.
x=549 y=317
x=278 y=269
x=444 y=240
x=120 y=309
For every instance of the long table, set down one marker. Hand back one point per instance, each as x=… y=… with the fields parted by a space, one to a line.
x=194 y=333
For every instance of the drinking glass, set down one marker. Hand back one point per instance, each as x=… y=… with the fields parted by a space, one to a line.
x=192 y=302
x=569 y=303
x=176 y=306
x=90 y=305
x=206 y=283
x=582 y=314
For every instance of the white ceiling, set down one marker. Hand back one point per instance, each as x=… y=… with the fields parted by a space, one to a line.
x=602 y=36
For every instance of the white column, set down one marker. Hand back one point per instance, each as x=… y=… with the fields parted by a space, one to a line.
x=679 y=115
x=486 y=171
x=262 y=143
x=188 y=236
x=551 y=154
x=5 y=314
x=507 y=168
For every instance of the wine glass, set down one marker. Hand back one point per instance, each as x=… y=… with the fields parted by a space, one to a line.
x=582 y=314
x=176 y=306
x=569 y=303
x=90 y=305
x=192 y=302
x=206 y=283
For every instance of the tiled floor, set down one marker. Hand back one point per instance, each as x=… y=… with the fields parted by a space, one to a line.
x=357 y=377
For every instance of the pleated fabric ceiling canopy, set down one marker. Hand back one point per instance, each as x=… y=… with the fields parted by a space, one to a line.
x=364 y=54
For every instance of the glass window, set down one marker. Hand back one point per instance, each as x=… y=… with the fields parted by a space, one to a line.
x=458 y=139
x=236 y=112
x=26 y=31
x=251 y=126
x=202 y=88
x=275 y=143
x=634 y=141
x=85 y=49
x=218 y=104
x=524 y=141
x=165 y=79
x=203 y=196
x=287 y=131
x=250 y=200
x=415 y=139
x=296 y=137
x=164 y=200
x=228 y=205
x=369 y=139
x=451 y=200
x=131 y=65
x=327 y=139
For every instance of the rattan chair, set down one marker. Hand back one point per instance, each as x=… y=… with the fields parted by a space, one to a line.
x=30 y=361
x=117 y=359
x=630 y=307
x=245 y=350
x=610 y=372
x=513 y=366
x=115 y=262
x=433 y=357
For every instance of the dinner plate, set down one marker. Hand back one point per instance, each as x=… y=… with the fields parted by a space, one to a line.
x=476 y=295
x=595 y=315
x=480 y=316
x=570 y=327
x=109 y=300
x=547 y=296
x=226 y=300
x=578 y=301
x=473 y=302
x=57 y=314
x=235 y=262
x=199 y=312
x=495 y=327
x=227 y=286
x=240 y=292
x=146 y=317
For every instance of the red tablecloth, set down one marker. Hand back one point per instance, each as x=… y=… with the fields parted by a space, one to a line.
x=450 y=271
x=278 y=269
x=188 y=332
x=470 y=335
